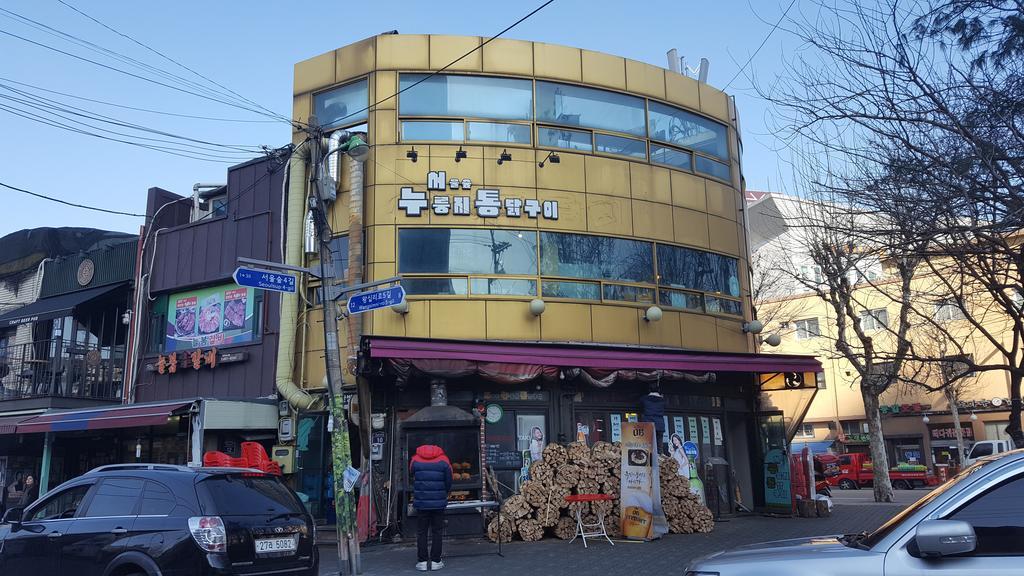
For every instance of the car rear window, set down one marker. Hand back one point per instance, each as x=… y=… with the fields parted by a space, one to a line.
x=237 y=495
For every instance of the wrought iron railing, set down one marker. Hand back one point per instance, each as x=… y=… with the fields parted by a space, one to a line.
x=61 y=368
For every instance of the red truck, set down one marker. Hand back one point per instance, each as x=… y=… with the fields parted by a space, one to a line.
x=855 y=470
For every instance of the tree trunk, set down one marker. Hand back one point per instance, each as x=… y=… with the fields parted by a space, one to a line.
x=1013 y=429
x=955 y=411
x=882 y=484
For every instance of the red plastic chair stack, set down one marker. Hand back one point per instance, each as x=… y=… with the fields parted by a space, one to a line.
x=253 y=456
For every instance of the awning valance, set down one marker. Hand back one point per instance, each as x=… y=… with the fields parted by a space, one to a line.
x=130 y=416
x=54 y=307
x=589 y=356
x=9 y=424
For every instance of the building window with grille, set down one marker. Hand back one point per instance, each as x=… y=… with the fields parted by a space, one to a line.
x=807 y=329
x=875 y=319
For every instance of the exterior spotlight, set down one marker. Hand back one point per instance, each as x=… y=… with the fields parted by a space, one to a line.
x=401 y=308
x=926 y=419
x=505 y=157
x=974 y=417
x=773 y=340
x=653 y=314
x=537 y=306
x=460 y=154
x=551 y=157
x=753 y=327
x=356 y=148
x=412 y=155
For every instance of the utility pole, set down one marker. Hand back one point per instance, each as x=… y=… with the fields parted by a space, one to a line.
x=349 y=562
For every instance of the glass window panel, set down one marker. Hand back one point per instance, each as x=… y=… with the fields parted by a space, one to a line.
x=466 y=96
x=685 y=300
x=682 y=128
x=718 y=305
x=437 y=130
x=503 y=286
x=339 y=256
x=712 y=168
x=115 y=497
x=628 y=293
x=436 y=286
x=498 y=132
x=590 y=108
x=569 y=139
x=698 y=270
x=671 y=157
x=343 y=105
x=598 y=257
x=466 y=251
x=620 y=146
x=576 y=290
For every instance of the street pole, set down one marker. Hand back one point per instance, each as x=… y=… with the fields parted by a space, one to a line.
x=344 y=507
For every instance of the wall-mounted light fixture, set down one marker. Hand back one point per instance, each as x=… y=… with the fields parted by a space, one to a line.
x=753 y=327
x=974 y=417
x=460 y=154
x=412 y=154
x=551 y=157
x=537 y=306
x=653 y=314
x=401 y=308
x=772 y=340
x=505 y=157
x=926 y=419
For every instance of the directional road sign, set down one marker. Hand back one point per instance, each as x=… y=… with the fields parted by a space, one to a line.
x=384 y=298
x=265 y=279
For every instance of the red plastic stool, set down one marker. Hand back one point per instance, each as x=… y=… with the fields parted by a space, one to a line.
x=596 y=529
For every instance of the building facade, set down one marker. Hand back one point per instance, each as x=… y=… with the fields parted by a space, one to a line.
x=569 y=230
x=917 y=425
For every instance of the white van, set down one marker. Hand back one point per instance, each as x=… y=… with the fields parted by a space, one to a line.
x=987 y=448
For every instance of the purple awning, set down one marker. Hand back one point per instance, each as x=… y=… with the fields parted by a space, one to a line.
x=129 y=416
x=586 y=356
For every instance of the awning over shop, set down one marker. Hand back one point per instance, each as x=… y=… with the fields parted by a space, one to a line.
x=9 y=424
x=155 y=414
x=54 y=307
x=585 y=356
x=815 y=447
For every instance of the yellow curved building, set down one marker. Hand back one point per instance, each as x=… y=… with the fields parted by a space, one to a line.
x=607 y=189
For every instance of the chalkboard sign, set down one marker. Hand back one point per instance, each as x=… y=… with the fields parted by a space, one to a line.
x=500 y=458
x=500 y=444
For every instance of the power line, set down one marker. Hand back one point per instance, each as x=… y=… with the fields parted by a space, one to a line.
x=59 y=201
x=446 y=66
x=763 y=42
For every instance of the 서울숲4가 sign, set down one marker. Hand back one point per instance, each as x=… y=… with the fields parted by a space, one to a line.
x=487 y=202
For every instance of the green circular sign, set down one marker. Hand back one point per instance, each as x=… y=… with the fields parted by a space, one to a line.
x=494 y=413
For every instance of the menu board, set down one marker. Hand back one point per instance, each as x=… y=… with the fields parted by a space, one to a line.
x=500 y=448
x=210 y=317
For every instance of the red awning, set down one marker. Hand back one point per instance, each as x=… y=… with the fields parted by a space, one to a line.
x=586 y=356
x=9 y=424
x=100 y=418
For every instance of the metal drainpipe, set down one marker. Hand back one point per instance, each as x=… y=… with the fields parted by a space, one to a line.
x=355 y=276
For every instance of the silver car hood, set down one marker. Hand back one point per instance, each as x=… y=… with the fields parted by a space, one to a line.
x=797 y=557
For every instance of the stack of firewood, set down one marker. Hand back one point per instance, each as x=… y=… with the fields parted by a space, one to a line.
x=540 y=508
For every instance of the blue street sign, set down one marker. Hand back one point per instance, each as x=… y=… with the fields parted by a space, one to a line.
x=384 y=298
x=265 y=279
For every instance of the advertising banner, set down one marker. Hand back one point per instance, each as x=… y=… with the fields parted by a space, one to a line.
x=216 y=316
x=640 y=498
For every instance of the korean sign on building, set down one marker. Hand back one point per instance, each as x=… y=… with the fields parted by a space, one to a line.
x=216 y=316
x=948 y=431
x=485 y=203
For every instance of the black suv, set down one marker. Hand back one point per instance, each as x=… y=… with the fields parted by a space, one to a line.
x=154 y=519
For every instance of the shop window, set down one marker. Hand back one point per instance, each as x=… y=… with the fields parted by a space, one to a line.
x=712 y=168
x=436 y=286
x=115 y=497
x=503 y=287
x=620 y=146
x=595 y=257
x=671 y=157
x=568 y=139
x=684 y=300
x=716 y=305
x=498 y=132
x=998 y=519
x=688 y=130
x=466 y=251
x=625 y=293
x=698 y=270
x=807 y=329
x=342 y=106
x=875 y=319
x=574 y=290
x=432 y=131
x=570 y=105
x=465 y=96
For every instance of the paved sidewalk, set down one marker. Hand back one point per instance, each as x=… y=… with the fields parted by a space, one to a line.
x=668 y=556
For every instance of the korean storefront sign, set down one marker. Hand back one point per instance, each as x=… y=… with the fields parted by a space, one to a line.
x=640 y=498
x=948 y=431
x=485 y=203
x=171 y=363
x=216 y=316
x=915 y=408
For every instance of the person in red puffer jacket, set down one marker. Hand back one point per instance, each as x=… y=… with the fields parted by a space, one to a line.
x=431 y=480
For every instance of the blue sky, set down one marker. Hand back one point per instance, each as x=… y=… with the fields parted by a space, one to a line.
x=251 y=47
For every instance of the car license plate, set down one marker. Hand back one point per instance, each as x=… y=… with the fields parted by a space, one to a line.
x=270 y=545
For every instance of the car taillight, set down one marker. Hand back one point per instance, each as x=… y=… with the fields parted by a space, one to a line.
x=209 y=533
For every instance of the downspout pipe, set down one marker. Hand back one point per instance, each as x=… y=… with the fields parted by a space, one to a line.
x=356 y=244
x=298 y=398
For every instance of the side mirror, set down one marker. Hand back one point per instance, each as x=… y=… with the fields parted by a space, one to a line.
x=938 y=538
x=13 y=517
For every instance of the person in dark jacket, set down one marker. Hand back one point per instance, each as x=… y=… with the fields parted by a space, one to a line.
x=432 y=480
x=653 y=411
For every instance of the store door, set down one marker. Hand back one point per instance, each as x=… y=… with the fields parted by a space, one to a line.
x=310 y=457
x=774 y=462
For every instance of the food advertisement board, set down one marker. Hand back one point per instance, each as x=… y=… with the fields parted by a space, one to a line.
x=640 y=500
x=217 y=316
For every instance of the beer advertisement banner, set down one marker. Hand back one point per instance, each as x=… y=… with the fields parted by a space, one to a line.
x=640 y=498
